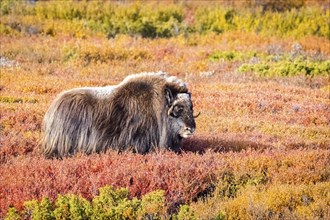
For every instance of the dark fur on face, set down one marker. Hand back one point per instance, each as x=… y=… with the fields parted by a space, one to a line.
x=144 y=112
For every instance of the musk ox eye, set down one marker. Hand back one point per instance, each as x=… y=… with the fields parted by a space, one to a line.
x=177 y=111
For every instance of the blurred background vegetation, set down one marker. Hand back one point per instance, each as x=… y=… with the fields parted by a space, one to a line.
x=163 y=19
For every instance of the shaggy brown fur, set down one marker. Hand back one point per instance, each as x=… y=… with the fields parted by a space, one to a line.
x=137 y=114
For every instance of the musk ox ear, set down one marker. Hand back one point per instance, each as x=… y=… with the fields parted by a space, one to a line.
x=169 y=96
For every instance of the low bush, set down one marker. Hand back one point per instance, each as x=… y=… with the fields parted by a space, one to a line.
x=8 y=99
x=184 y=178
x=109 y=204
x=105 y=54
x=288 y=68
x=231 y=56
x=280 y=201
x=309 y=201
x=251 y=202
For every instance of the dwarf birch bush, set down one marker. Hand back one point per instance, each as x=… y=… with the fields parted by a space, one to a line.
x=109 y=204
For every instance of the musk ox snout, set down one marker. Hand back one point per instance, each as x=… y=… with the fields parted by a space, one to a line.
x=188 y=132
x=144 y=112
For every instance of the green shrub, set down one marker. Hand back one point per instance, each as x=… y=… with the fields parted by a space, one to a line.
x=185 y=213
x=7 y=30
x=6 y=6
x=288 y=68
x=95 y=54
x=72 y=207
x=231 y=56
x=153 y=205
x=308 y=21
x=12 y=214
x=39 y=210
x=281 y=5
x=9 y=99
x=229 y=184
x=109 y=204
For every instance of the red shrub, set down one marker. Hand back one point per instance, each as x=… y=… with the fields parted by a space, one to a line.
x=183 y=177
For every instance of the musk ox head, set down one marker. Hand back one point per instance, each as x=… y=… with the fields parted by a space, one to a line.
x=180 y=114
x=144 y=112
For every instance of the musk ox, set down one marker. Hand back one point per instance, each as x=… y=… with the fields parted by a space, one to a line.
x=144 y=112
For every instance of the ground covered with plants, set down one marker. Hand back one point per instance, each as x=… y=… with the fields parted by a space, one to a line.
x=259 y=77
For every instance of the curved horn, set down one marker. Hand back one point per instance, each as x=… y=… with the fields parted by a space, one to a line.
x=195 y=116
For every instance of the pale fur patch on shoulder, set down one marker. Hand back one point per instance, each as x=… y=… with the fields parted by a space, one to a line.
x=169 y=79
x=102 y=92
x=98 y=92
x=143 y=74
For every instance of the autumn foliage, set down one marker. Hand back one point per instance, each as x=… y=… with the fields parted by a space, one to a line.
x=261 y=149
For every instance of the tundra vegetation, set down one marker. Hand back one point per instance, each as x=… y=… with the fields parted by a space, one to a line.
x=259 y=75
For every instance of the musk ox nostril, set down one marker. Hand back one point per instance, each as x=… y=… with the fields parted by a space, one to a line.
x=191 y=130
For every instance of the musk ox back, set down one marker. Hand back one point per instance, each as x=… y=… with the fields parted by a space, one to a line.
x=144 y=112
